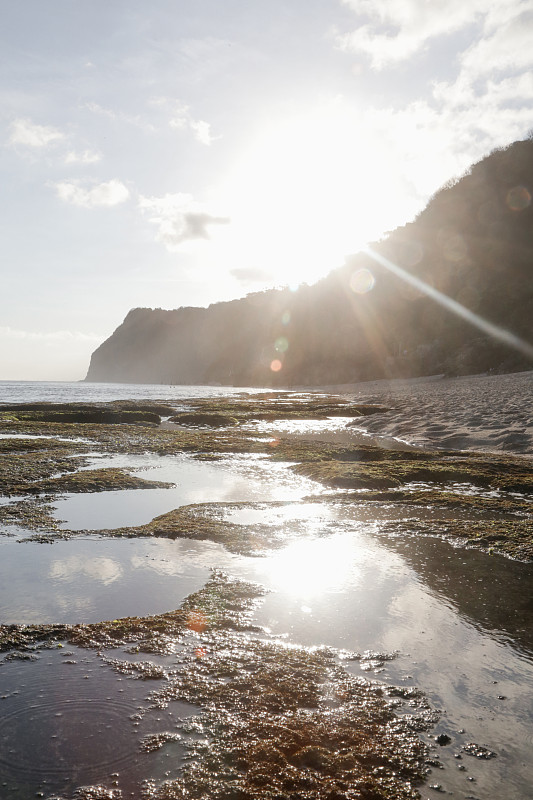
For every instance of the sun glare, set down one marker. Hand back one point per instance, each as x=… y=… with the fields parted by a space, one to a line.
x=308 y=190
x=309 y=569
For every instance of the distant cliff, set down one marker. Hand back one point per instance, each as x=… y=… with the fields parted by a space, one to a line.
x=473 y=243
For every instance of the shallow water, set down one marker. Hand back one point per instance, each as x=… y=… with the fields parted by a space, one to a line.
x=461 y=621
x=236 y=479
x=68 y=720
x=88 y=580
x=359 y=590
x=344 y=584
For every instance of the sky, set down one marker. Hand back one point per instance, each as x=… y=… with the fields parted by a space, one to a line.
x=173 y=153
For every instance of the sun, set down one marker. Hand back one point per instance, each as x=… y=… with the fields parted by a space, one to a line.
x=309 y=189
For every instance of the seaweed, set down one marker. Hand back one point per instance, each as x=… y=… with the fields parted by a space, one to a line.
x=356 y=473
x=92 y=480
x=277 y=721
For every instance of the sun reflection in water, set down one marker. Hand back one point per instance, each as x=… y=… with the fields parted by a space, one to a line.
x=311 y=568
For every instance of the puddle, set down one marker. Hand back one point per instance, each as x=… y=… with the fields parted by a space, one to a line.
x=461 y=621
x=69 y=720
x=341 y=430
x=235 y=479
x=91 y=580
x=470 y=652
x=301 y=426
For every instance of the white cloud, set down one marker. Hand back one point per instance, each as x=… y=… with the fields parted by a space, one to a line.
x=437 y=138
x=487 y=102
x=51 y=336
x=137 y=121
x=27 y=133
x=394 y=30
x=85 y=157
x=505 y=46
x=183 y=120
x=202 y=131
x=104 y=194
x=178 y=218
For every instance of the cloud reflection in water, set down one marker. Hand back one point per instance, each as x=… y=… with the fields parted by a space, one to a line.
x=105 y=570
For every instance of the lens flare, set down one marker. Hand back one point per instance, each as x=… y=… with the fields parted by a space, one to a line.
x=281 y=345
x=500 y=334
x=362 y=281
x=285 y=317
x=518 y=198
x=276 y=365
x=196 y=621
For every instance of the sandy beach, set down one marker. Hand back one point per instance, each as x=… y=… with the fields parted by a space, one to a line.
x=490 y=413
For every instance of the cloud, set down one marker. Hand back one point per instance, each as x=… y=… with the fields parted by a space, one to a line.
x=441 y=137
x=395 y=30
x=487 y=100
x=27 y=133
x=104 y=194
x=85 y=157
x=51 y=336
x=505 y=45
x=202 y=131
x=30 y=135
x=183 y=119
x=251 y=275
x=178 y=218
x=137 y=121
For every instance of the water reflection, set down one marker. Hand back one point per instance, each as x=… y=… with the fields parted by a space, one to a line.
x=462 y=621
x=103 y=570
x=392 y=595
x=336 y=589
x=86 y=580
x=494 y=593
x=235 y=479
x=309 y=569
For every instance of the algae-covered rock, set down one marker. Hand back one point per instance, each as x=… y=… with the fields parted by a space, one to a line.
x=95 y=480
x=202 y=419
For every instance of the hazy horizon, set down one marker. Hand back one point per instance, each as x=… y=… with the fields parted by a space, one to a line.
x=161 y=156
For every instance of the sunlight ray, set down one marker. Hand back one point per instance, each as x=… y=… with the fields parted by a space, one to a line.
x=495 y=331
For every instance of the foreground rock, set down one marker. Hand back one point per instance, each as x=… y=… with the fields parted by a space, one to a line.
x=277 y=721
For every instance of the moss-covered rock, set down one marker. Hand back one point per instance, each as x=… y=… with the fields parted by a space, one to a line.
x=276 y=721
x=203 y=419
x=94 y=480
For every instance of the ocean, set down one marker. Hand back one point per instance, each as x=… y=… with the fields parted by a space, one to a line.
x=82 y=392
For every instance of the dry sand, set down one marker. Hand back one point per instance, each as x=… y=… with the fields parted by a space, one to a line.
x=477 y=412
